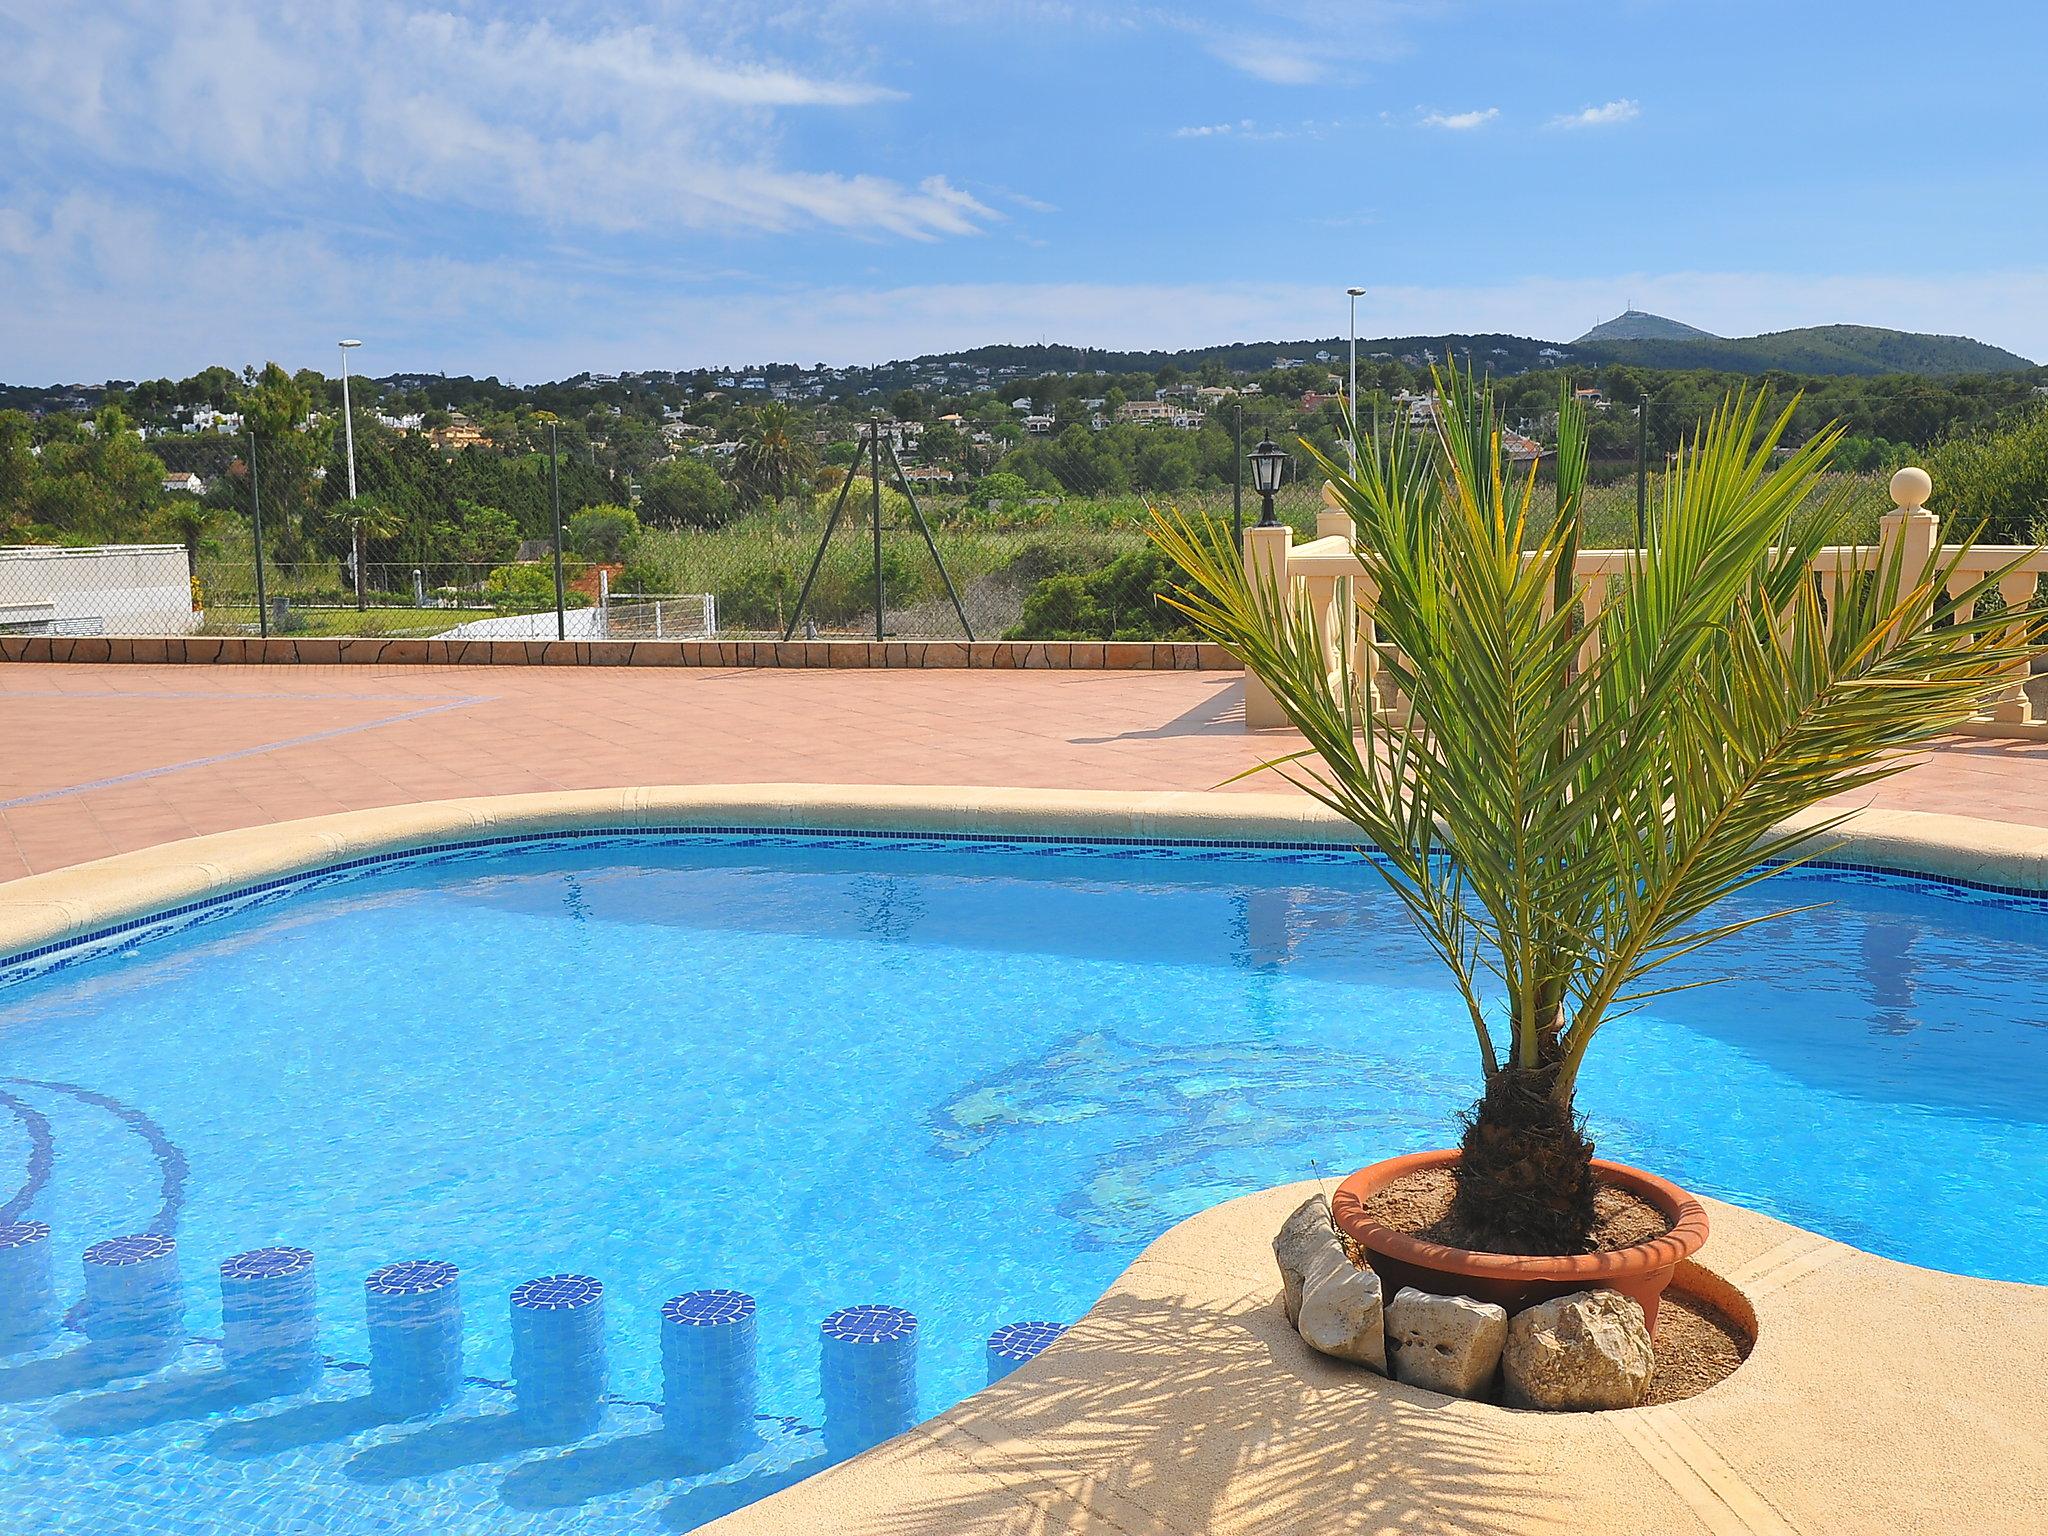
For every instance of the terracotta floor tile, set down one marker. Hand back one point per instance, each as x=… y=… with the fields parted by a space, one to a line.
x=205 y=749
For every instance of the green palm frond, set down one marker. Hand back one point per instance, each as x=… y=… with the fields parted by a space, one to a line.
x=1560 y=817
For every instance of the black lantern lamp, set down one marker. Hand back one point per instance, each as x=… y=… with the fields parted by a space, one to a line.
x=1267 y=464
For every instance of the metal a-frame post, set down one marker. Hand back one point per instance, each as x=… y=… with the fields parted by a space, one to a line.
x=871 y=450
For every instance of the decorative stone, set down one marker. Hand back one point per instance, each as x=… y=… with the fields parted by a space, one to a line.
x=1578 y=1352
x=1448 y=1344
x=1303 y=1238
x=1341 y=1314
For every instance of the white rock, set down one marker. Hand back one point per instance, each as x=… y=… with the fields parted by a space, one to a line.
x=1341 y=1315
x=1303 y=1237
x=1448 y=1344
x=1583 y=1351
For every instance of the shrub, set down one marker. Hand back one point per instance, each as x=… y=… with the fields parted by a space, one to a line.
x=1994 y=485
x=687 y=493
x=603 y=532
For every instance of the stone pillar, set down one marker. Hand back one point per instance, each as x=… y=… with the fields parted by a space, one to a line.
x=558 y=1356
x=1332 y=520
x=1910 y=529
x=708 y=1390
x=2012 y=706
x=1265 y=561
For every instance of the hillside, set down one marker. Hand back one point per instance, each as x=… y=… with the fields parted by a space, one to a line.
x=1640 y=325
x=1645 y=340
x=1815 y=349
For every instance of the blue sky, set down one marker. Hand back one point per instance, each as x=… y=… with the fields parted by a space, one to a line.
x=535 y=191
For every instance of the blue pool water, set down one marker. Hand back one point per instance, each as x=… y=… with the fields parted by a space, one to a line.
x=971 y=1080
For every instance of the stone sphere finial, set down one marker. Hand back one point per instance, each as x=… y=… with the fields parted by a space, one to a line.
x=1910 y=488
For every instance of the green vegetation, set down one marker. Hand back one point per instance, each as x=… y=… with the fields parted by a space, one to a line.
x=1995 y=483
x=1559 y=818
x=696 y=484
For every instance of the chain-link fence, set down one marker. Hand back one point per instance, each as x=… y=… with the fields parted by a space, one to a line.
x=868 y=525
x=1048 y=540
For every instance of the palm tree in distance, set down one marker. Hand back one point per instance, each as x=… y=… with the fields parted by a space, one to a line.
x=774 y=458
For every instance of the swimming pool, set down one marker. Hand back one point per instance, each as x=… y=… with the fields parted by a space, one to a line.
x=968 y=1079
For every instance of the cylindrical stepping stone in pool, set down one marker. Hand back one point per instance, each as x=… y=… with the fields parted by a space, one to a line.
x=134 y=1311
x=1014 y=1343
x=28 y=1286
x=269 y=1323
x=414 y=1311
x=707 y=1376
x=868 y=1369
x=558 y=1361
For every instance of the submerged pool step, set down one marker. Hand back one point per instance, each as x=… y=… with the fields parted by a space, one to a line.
x=28 y=1285
x=1014 y=1344
x=558 y=1356
x=867 y=1365
x=269 y=1310
x=709 y=1385
x=133 y=1314
x=134 y=1310
x=414 y=1311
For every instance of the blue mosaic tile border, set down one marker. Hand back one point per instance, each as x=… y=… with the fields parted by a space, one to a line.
x=30 y=963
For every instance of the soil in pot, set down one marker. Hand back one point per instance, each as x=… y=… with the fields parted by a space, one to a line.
x=1697 y=1344
x=1419 y=1204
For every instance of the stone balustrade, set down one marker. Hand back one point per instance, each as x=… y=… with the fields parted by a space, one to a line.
x=1328 y=573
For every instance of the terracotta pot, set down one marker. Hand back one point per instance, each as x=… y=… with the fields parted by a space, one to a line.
x=1516 y=1280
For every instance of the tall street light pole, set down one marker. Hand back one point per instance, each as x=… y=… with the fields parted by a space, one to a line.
x=348 y=428
x=1351 y=400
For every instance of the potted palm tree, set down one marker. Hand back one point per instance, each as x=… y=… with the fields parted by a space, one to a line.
x=1567 y=794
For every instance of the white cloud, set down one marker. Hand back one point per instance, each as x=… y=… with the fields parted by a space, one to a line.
x=592 y=124
x=1253 y=132
x=1624 y=110
x=1461 y=122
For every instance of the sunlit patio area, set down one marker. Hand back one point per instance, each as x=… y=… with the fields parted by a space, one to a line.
x=102 y=759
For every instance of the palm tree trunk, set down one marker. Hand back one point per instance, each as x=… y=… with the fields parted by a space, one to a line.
x=1525 y=1180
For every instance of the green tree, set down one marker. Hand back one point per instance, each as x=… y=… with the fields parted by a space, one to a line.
x=1995 y=483
x=602 y=533
x=774 y=458
x=686 y=493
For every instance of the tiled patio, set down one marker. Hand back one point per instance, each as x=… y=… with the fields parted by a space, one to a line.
x=99 y=759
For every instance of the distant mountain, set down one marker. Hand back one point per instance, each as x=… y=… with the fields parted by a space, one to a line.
x=1640 y=325
x=1819 y=349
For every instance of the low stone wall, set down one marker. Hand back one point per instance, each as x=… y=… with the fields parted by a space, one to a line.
x=1057 y=655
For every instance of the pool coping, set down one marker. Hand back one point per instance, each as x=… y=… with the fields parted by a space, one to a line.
x=63 y=906
x=1879 y=1398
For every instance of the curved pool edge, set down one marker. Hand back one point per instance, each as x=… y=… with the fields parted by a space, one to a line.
x=1878 y=1397
x=43 y=910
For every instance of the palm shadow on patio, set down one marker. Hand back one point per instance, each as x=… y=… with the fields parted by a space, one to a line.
x=1162 y=1412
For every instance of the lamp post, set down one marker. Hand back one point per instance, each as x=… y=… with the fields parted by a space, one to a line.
x=1351 y=399
x=348 y=428
x=1267 y=464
